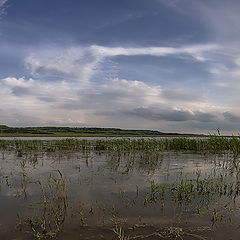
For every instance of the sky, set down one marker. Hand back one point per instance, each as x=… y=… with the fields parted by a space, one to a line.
x=167 y=65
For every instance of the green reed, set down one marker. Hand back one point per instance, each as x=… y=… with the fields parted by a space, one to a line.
x=50 y=212
x=211 y=144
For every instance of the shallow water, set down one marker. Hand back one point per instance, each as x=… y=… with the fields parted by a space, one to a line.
x=85 y=195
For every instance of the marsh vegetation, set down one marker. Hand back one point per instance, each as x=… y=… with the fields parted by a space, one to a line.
x=170 y=188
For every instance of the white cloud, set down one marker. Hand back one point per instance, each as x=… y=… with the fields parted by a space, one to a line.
x=133 y=92
x=114 y=103
x=74 y=63
x=194 y=51
x=81 y=63
x=20 y=82
x=65 y=103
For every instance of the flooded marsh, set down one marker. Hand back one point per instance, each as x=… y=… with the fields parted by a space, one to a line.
x=170 y=188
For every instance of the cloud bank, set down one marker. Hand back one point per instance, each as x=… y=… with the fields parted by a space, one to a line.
x=132 y=104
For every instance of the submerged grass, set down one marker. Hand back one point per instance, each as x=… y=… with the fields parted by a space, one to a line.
x=186 y=191
x=50 y=211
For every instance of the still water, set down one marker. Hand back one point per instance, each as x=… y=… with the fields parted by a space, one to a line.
x=93 y=194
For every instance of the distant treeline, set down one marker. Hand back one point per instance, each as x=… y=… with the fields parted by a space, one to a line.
x=78 y=131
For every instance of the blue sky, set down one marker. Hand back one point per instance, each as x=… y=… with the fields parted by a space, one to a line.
x=170 y=65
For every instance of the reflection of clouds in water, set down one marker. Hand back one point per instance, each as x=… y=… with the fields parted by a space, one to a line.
x=100 y=175
x=101 y=181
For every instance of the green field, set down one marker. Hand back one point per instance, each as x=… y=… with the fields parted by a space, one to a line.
x=6 y=131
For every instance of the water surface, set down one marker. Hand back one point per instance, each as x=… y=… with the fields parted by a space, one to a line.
x=86 y=194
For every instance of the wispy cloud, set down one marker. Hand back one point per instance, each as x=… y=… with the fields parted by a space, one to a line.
x=81 y=63
x=224 y=29
x=2 y=9
x=74 y=63
x=171 y=3
x=2 y=2
x=196 y=51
